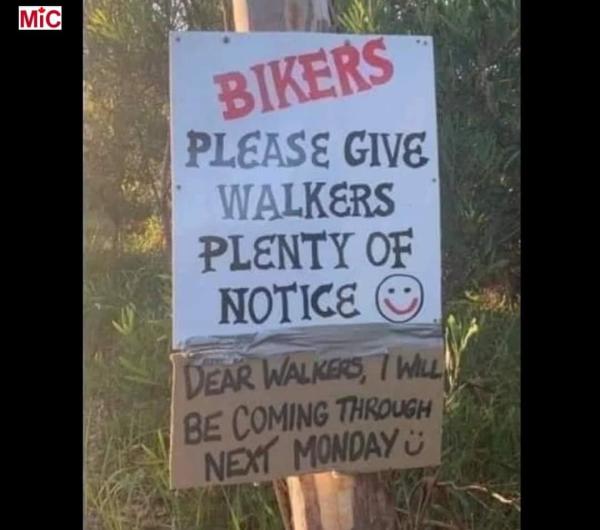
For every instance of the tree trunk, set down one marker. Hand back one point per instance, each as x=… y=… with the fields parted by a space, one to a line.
x=320 y=501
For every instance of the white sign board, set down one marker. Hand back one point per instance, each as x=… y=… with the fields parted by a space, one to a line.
x=305 y=182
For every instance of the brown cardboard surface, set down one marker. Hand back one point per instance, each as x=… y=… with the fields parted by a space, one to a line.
x=346 y=414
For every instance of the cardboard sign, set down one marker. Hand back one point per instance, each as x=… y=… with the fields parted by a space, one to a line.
x=305 y=182
x=287 y=415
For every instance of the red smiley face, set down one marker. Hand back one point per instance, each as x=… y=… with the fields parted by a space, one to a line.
x=399 y=297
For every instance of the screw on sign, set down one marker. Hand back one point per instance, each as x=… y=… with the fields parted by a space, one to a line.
x=40 y=17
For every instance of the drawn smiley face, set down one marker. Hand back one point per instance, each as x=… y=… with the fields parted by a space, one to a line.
x=399 y=297
x=408 y=446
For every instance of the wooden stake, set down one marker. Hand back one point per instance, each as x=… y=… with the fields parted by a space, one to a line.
x=320 y=501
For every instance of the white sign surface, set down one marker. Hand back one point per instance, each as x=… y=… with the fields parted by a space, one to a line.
x=305 y=181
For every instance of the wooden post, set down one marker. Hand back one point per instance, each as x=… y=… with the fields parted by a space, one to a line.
x=320 y=501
